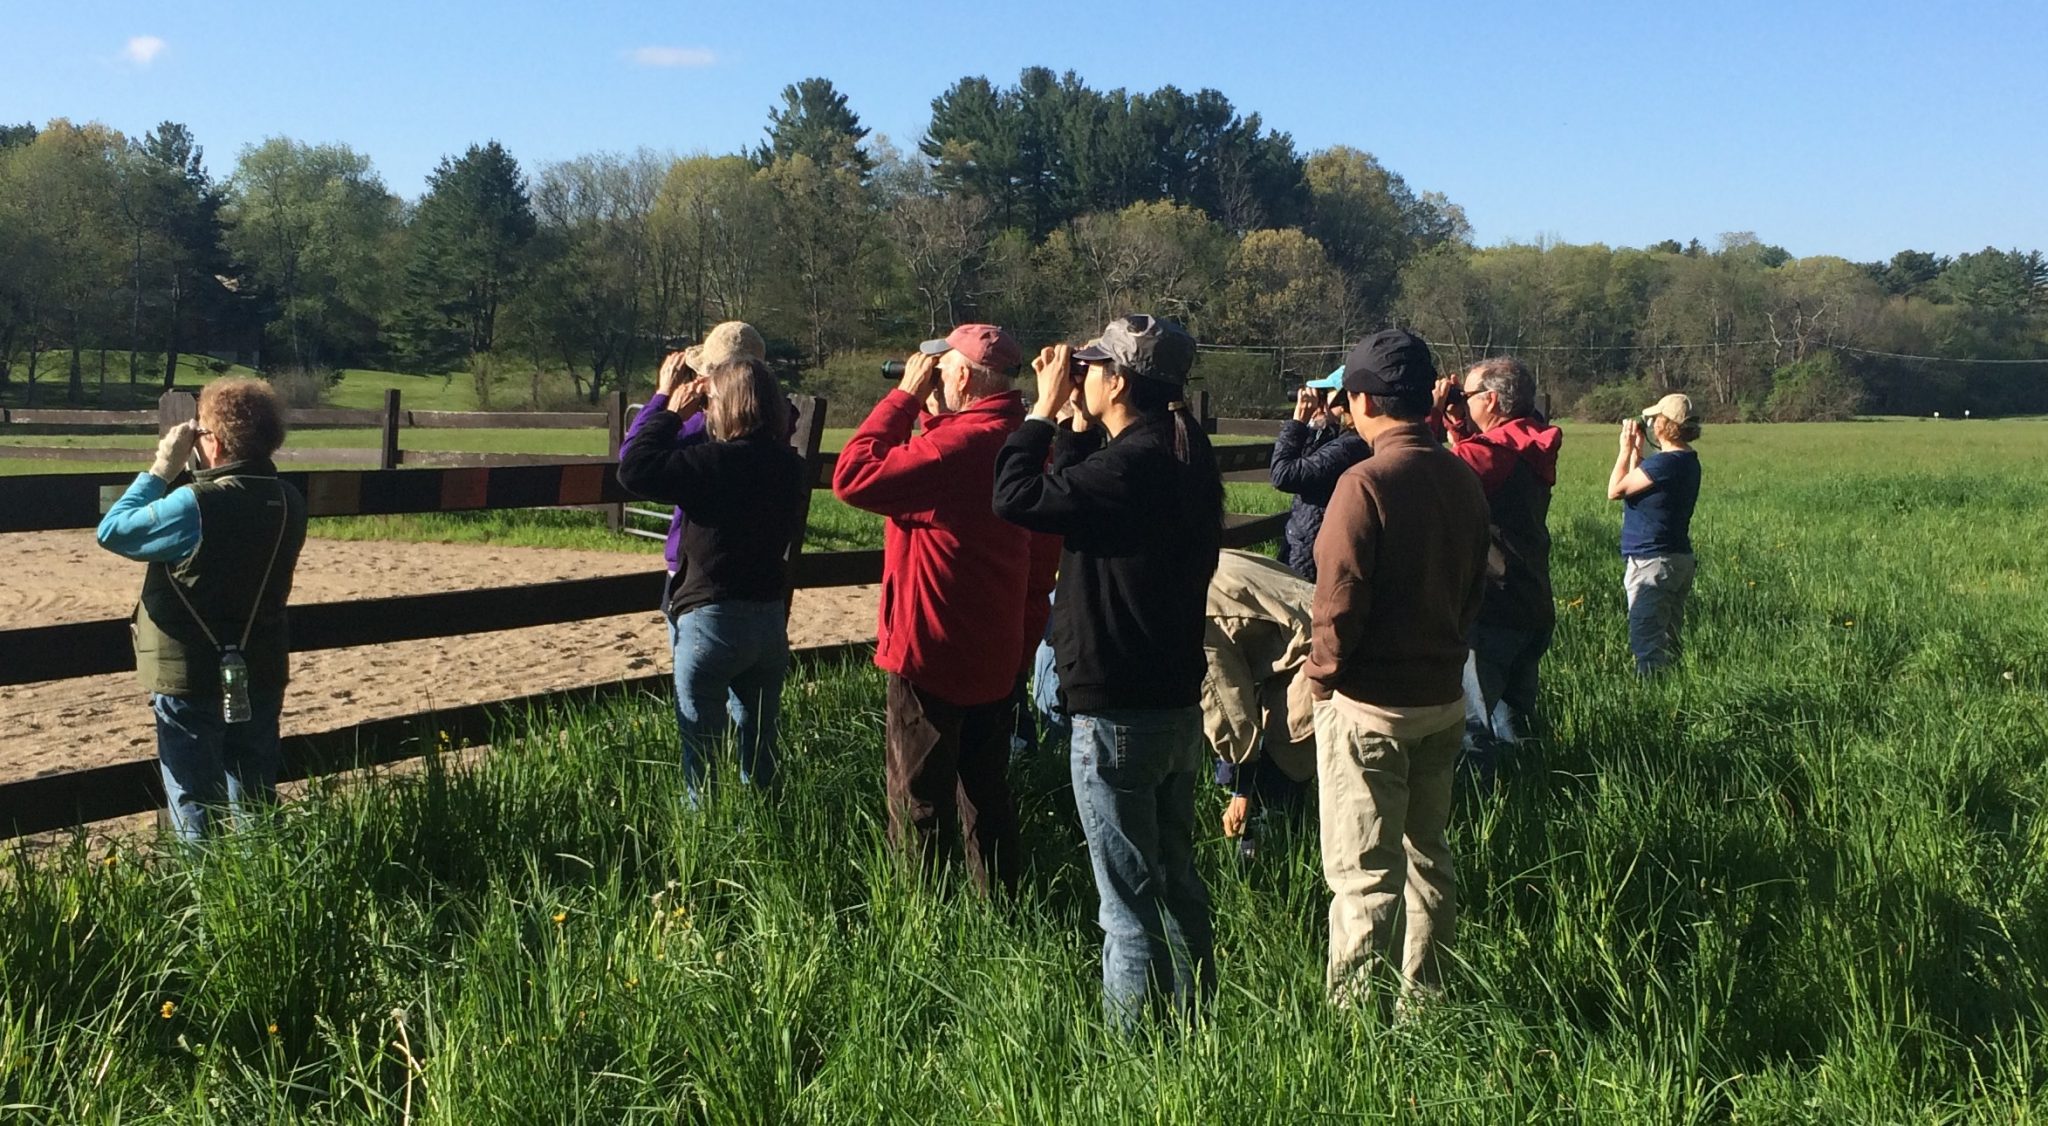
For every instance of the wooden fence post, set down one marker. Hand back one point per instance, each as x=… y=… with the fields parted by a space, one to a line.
x=805 y=439
x=389 y=456
x=615 y=440
x=1205 y=411
x=174 y=407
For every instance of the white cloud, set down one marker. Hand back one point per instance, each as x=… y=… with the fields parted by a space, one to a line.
x=672 y=56
x=142 y=50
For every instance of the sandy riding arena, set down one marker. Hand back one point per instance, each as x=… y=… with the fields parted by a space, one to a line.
x=57 y=577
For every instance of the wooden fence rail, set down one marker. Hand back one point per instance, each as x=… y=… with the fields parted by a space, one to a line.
x=175 y=406
x=80 y=797
x=43 y=653
x=48 y=502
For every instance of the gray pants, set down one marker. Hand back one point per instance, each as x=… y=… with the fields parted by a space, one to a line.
x=1657 y=587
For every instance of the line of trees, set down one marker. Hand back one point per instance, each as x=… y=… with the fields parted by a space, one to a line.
x=1047 y=205
x=1745 y=328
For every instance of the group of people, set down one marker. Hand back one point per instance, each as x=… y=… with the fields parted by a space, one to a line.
x=1400 y=632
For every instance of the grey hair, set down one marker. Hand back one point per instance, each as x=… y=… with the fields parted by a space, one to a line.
x=984 y=380
x=1514 y=389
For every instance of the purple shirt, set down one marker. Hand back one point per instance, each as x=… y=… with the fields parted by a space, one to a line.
x=692 y=432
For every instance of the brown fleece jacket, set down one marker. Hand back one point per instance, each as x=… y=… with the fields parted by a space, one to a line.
x=1400 y=572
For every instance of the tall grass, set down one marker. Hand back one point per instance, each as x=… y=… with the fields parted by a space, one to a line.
x=1803 y=879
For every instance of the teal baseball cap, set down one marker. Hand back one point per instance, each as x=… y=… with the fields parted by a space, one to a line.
x=1330 y=382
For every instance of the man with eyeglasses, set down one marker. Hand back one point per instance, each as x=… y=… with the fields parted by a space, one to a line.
x=1491 y=418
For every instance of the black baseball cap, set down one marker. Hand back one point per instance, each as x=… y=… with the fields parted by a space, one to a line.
x=1392 y=361
x=1154 y=347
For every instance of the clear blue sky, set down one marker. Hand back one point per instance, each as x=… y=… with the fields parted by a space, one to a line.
x=1841 y=128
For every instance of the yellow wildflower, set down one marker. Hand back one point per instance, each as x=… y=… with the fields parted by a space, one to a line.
x=561 y=917
x=170 y=1007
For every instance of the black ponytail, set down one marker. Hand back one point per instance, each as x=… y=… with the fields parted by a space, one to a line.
x=1153 y=396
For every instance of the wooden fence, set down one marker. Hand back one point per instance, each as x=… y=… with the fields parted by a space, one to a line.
x=62 y=652
x=390 y=421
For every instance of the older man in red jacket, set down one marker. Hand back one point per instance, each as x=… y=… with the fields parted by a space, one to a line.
x=960 y=593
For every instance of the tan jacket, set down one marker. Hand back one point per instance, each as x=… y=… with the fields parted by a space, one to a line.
x=1256 y=640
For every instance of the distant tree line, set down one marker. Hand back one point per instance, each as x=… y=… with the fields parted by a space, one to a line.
x=1047 y=205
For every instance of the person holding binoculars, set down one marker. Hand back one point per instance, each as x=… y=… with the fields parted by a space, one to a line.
x=963 y=595
x=222 y=544
x=1490 y=415
x=1658 y=492
x=1313 y=449
x=1132 y=488
x=739 y=490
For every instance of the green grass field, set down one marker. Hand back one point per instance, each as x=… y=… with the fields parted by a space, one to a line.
x=1804 y=879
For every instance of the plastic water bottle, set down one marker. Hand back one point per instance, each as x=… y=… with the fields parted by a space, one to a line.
x=234 y=686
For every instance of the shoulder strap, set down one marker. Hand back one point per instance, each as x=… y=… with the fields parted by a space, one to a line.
x=249 y=626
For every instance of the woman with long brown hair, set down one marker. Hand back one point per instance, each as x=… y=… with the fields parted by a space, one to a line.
x=743 y=487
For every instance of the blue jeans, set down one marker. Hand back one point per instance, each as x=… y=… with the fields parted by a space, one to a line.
x=1500 y=690
x=1657 y=587
x=209 y=764
x=1045 y=695
x=730 y=658
x=1134 y=783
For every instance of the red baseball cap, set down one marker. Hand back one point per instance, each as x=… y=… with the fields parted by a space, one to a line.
x=991 y=346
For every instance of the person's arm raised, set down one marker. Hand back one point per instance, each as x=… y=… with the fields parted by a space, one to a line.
x=1627 y=478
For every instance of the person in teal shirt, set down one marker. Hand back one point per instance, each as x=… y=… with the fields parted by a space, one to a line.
x=221 y=545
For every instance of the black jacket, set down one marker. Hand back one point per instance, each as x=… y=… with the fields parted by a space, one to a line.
x=1307 y=463
x=1142 y=531
x=744 y=498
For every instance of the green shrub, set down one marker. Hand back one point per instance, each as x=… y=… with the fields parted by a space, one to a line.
x=1613 y=402
x=1816 y=389
x=851 y=383
x=1247 y=385
x=305 y=387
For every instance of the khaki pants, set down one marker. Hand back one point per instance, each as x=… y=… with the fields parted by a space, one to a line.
x=1385 y=804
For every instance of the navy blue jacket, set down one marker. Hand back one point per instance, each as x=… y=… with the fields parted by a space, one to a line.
x=1307 y=463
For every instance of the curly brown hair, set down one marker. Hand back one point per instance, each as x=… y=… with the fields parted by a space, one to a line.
x=246 y=415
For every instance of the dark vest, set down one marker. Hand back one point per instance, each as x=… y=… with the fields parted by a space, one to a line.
x=242 y=509
x=1518 y=559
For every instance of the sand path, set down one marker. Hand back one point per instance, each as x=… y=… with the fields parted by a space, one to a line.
x=49 y=578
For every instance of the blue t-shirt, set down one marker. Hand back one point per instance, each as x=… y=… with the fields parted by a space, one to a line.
x=1658 y=521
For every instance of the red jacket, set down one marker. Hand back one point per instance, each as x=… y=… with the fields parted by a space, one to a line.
x=957 y=580
x=1517 y=466
x=1494 y=454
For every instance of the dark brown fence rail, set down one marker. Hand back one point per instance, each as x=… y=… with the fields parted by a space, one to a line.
x=80 y=797
x=96 y=648
x=46 y=502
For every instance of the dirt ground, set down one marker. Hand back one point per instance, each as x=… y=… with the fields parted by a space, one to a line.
x=56 y=577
